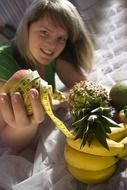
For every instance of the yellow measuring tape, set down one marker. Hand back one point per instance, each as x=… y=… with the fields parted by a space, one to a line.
x=33 y=80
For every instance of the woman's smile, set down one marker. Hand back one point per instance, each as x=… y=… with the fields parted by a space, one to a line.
x=46 y=56
x=46 y=51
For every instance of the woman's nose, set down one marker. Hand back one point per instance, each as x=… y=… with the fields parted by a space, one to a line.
x=52 y=43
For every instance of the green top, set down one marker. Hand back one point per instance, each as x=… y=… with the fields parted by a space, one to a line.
x=11 y=61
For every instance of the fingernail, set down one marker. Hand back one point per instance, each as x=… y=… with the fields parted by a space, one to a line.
x=33 y=93
x=15 y=97
x=2 y=97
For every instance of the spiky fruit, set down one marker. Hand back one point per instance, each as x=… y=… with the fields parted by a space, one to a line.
x=92 y=113
x=83 y=89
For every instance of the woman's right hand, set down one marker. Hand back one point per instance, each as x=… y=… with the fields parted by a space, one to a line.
x=14 y=113
x=12 y=106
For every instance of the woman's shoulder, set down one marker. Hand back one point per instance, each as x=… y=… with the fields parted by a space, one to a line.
x=8 y=63
x=7 y=52
x=6 y=47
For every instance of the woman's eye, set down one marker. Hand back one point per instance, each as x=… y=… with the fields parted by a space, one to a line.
x=62 y=39
x=44 y=33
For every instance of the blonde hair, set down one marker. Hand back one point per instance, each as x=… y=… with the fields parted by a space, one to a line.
x=79 y=48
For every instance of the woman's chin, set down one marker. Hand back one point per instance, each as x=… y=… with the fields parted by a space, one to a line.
x=44 y=61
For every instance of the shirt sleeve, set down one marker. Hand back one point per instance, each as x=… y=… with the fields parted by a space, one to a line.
x=8 y=66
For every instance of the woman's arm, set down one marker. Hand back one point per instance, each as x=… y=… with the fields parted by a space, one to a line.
x=68 y=74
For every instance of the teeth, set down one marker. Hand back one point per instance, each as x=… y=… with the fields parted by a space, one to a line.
x=49 y=52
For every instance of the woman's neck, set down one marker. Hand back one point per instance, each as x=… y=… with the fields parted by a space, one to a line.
x=41 y=70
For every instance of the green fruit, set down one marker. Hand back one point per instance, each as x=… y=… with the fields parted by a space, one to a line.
x=118 y=95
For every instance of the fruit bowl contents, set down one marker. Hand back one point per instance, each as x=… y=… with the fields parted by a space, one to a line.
x=99 y=135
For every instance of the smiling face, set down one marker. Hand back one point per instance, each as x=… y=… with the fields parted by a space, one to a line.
x=46 y=40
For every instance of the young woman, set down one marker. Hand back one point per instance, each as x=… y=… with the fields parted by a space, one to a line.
x=51 y=38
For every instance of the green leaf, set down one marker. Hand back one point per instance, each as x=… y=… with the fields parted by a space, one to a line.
x=79 y=133
x=97 y=110
x=108 y=121
x=87 y=136
x=102 y=110
x=104 y=125
x=90 y=136
x=82 y=112
x=107 y=111
x=81 y=130
x=101 y=127
x=80 y=121
x=85 y=111
x=101 y=136
x=91 y=119
x=107 y=128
